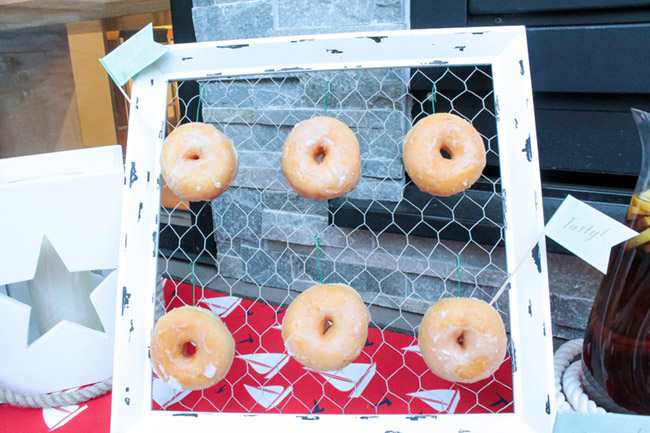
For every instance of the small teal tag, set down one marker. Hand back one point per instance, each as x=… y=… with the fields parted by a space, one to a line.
x=138 y=52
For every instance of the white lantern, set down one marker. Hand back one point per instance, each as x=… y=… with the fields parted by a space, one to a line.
x=59 y=232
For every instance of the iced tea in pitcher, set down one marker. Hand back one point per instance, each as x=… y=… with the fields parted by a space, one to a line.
x=616 y=350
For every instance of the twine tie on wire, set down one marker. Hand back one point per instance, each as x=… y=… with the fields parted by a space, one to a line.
x=434 y=98
x=198 y=107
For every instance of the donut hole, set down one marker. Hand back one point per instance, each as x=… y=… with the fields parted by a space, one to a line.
x=319 y=154
x=327 y=324
x=445 y=152
x=462 y=339
x=193 y=155
x=189 y=349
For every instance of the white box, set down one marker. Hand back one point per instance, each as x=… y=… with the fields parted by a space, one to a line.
x=66 y=205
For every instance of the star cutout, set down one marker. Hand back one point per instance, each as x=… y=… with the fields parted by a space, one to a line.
x=56 y=294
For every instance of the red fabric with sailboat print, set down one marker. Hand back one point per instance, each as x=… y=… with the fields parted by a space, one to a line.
x=389 y=377
x=91 y=416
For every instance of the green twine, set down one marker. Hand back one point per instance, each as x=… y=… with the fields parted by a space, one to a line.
x=434 y=98
x=328 y=89
x=320 y=273
x=458 y=273
x=198 y=107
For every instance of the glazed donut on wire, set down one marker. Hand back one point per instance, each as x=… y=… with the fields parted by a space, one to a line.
x=462 y=339
x=191 y=329
x=325 y=328
x=198 y=162
x=425 y=161
x=321 y=158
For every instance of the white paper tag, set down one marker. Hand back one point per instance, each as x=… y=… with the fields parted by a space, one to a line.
x=586 y=232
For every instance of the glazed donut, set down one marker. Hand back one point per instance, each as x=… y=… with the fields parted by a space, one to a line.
x=213 y=346
x=198 y=162
x=426 y=164
x=462 y=339
x=321 y=158
x=326 y=326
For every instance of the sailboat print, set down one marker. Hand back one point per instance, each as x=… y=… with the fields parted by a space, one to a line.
x=413 y=348
x=222 y=306
x=163 y=394
x=354 y=377
x=442 y=400
x=269 y=364
x=268 y=396
x=55 y=417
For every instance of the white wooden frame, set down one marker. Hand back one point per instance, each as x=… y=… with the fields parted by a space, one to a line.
x=505 y=49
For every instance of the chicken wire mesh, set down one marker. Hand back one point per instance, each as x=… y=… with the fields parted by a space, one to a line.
x=400 y=248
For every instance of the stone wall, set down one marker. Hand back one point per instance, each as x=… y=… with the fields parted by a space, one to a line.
x=216 y=20
x=267 y=234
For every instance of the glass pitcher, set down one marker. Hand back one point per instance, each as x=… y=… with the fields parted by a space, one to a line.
x=616 y=350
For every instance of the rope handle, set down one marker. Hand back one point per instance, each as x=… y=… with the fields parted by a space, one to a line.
x=65 y=398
